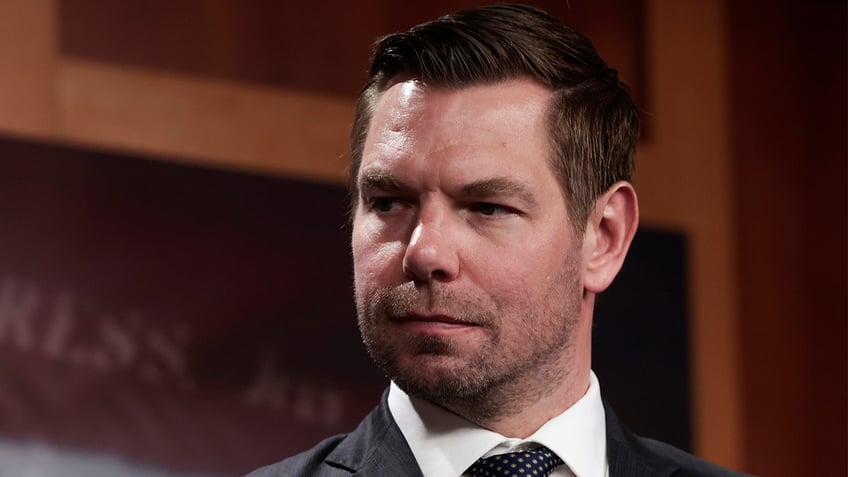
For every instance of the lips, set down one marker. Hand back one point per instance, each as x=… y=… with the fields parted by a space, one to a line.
x=432 y=318
x=433 y=324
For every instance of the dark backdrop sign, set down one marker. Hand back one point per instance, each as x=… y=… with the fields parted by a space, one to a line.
x=193 y=318
x=202 y=320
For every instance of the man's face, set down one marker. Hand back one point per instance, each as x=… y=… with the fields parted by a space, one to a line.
x=466 y=267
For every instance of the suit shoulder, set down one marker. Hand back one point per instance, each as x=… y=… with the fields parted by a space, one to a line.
x=631 y=454
x=307 y=463
x=690 y=465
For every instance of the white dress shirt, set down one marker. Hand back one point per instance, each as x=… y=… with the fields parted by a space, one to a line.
x=445 y=445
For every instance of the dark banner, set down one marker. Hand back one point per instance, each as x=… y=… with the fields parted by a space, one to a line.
x=162 y=319
x=192 y=318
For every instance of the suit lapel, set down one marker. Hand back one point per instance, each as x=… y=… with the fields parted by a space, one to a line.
x=376 y=447
x=627 y=457
x=624 y=462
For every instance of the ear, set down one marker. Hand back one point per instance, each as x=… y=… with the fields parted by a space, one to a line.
x=610 y=230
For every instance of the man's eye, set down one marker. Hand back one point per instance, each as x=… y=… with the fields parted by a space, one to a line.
x=383 y=204
x=486 y=208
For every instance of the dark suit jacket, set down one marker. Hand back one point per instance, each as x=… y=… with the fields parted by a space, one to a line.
x=377 y=448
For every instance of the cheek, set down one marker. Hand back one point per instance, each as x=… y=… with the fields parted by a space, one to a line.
x=376 y=264
x=524 y=276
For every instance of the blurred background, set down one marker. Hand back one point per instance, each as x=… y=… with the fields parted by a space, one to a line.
x=175 y=290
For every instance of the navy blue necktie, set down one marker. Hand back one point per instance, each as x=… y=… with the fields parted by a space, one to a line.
x=537 y=462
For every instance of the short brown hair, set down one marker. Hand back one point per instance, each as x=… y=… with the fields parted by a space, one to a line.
x=593 y=123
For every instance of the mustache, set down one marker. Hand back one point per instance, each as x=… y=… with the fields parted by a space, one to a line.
x=407 y=299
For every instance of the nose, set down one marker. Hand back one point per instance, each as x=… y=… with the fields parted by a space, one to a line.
x=431 y=254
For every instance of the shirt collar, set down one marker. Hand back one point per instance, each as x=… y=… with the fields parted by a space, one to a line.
x=446 y=444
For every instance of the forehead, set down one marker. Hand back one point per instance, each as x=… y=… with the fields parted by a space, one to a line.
x=482 y=104
x=475 y=123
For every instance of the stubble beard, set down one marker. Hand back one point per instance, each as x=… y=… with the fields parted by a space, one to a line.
x=497 y=380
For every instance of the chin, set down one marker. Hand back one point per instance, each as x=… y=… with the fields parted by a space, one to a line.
x=436 y=377
x=425 y=366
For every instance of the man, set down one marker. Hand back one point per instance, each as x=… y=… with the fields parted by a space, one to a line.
x=491 y=155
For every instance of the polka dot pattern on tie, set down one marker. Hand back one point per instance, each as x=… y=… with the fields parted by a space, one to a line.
x=538 y=462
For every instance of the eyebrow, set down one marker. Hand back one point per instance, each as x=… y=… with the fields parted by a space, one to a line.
x=500 y=186
x=482 y=189
x=381 y=180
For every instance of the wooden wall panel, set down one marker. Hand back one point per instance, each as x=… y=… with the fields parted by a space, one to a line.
x=789 y=103
x=212 y=122
x=316 y=45
x=27 y=66
x=685 y=180
x=321 y=45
